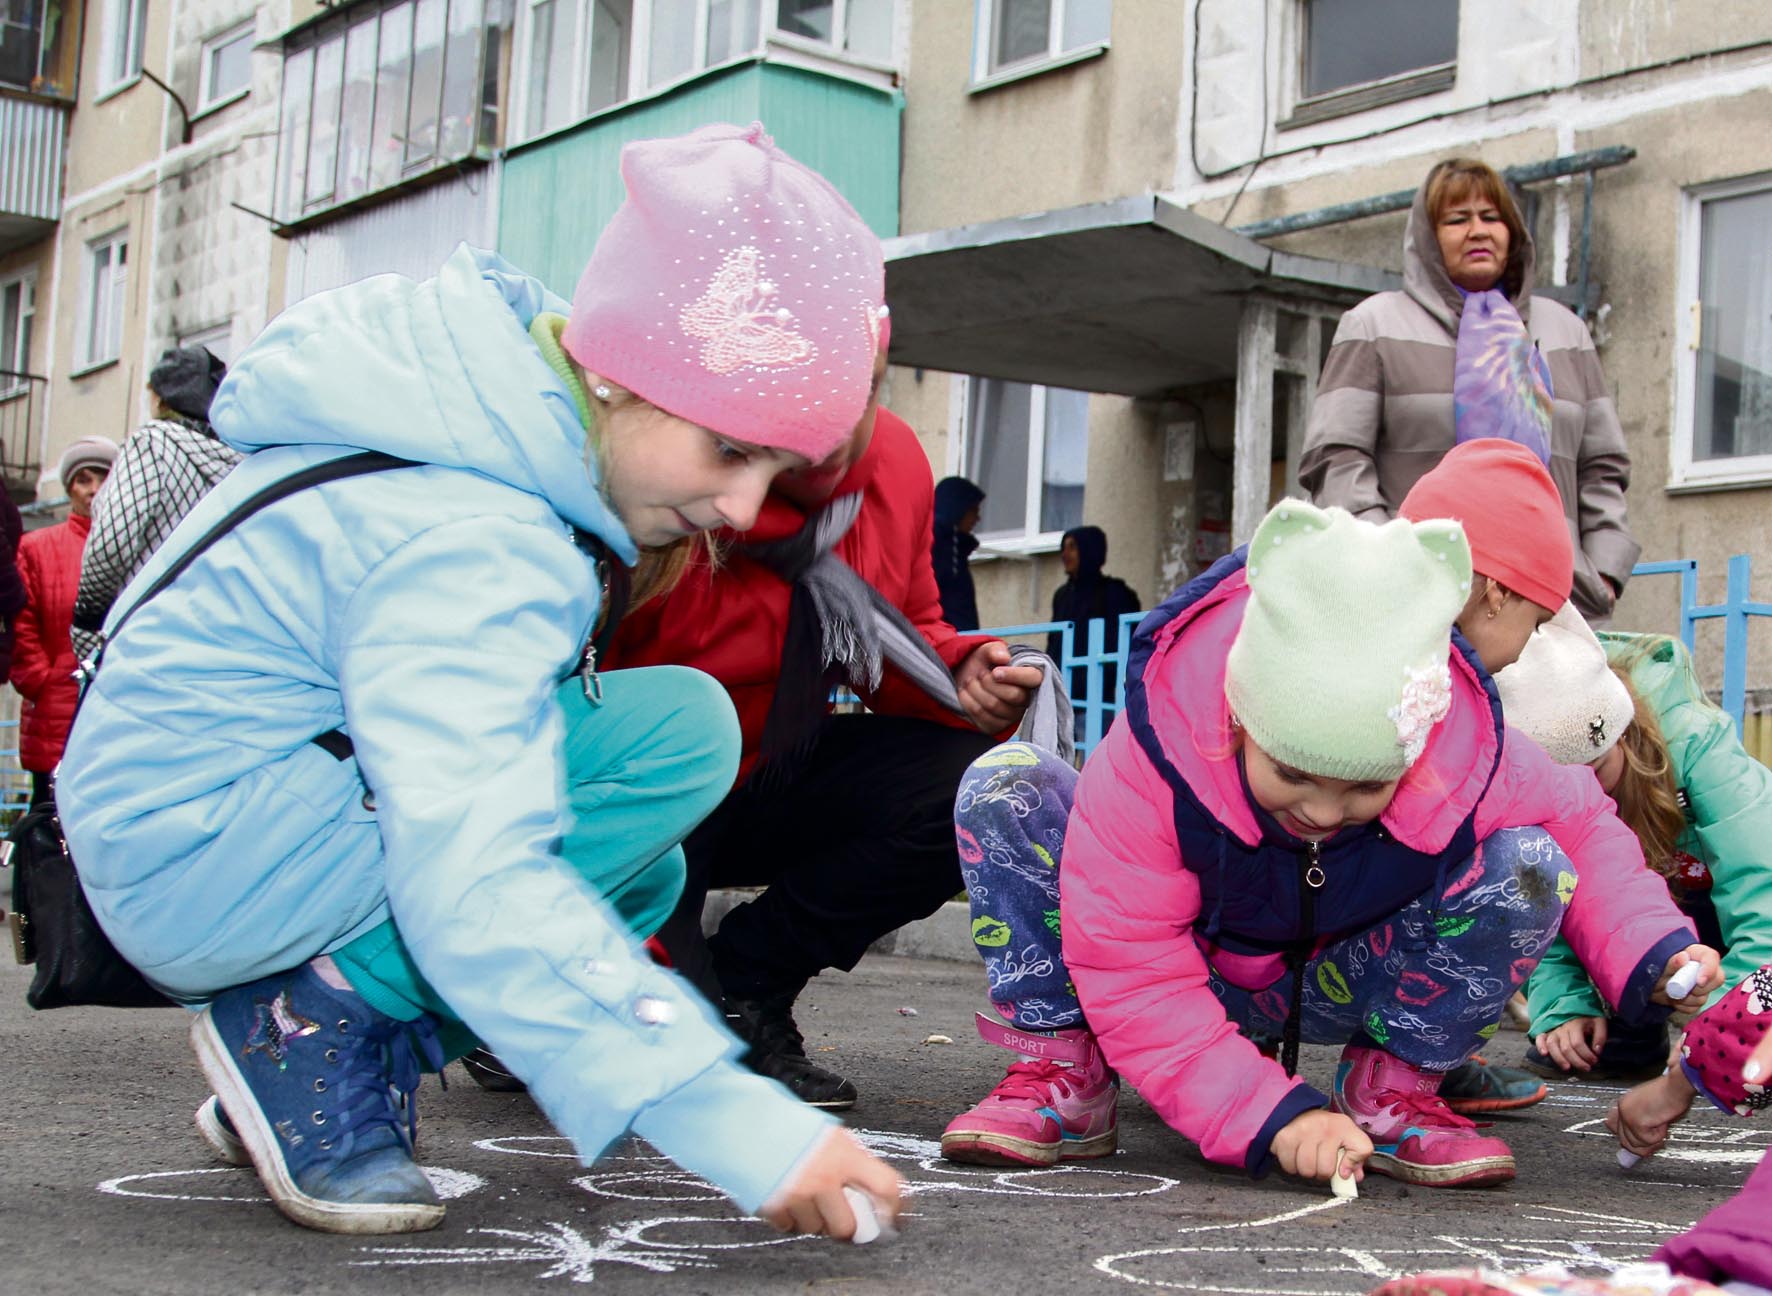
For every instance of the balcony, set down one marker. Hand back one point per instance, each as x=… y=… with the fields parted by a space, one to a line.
x=21 y=432
x=33 y=136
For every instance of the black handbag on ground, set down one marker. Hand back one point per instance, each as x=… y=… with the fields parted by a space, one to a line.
x=52 y=924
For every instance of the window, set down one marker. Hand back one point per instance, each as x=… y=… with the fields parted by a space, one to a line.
x=225 y=71
x=387 y=93
x=1726 y=379
x=1361 y=53
x=582 y=56
x=18 y=312
x=1015 y=36
x=1027 y=448
x=101 y=314
x=859 y=28
x=126 y=23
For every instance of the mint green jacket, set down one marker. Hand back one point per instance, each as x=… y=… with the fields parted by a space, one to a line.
x=1728 y=827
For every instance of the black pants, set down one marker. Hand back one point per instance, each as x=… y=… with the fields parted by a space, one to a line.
x=42 y=786
x=858 y=843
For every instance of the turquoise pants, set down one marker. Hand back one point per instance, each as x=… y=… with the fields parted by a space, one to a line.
x=642 y=770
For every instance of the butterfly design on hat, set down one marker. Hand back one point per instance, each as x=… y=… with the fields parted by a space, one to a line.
x=736 y=323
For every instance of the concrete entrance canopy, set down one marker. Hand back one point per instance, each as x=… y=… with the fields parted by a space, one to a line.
x=1138 y=296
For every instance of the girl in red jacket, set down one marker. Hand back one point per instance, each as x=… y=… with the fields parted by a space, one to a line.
x=43 y=655
x=1311 y=824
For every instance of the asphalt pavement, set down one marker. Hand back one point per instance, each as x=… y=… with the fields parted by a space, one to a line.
x=105 y=1186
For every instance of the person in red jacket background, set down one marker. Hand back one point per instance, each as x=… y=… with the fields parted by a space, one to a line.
x=848 y=819
x=42 y=653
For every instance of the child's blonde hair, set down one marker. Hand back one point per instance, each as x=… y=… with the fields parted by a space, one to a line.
x=657 y=571
x=1647 y=794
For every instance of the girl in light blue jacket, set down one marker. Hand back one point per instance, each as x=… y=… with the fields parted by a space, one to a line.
x=351 y=784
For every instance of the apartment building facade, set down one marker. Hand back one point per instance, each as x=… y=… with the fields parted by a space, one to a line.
x=1100 y=314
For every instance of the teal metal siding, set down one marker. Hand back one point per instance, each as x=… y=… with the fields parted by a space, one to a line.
x=558 y=192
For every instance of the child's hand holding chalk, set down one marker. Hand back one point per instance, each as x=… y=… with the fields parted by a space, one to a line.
x=871 y=1219
x=1687 y=985
x=1341 y=1183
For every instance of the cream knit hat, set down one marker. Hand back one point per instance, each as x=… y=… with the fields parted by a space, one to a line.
x=1562 y=693
x=1340 y=666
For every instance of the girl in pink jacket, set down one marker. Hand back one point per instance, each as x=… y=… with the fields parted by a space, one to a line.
x=1310 y=824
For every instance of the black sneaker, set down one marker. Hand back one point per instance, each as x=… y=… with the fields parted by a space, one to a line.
x=489 y=1072
x=778 y=1050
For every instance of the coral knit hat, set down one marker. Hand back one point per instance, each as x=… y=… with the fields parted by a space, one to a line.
x=1512 y=515
x=735 y=288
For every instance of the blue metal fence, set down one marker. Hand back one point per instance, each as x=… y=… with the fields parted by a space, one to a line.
x=1097 y=711
x=1735 y=609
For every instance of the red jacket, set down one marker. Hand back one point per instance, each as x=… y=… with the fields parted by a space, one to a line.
x=734 y=625
x=42 y=654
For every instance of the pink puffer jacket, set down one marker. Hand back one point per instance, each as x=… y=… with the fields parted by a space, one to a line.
x=1130 y=907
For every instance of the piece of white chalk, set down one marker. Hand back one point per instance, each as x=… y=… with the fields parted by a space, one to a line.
x=1341 y=1183
x=1627 y=1159
x=1681 y=983
x=868 y=1222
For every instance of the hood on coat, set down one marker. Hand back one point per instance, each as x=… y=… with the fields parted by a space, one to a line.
x=1424 y=269
x=953 y=497
x=1188 y=642
x=441 y=371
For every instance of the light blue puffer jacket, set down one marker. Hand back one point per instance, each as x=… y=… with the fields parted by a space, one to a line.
x=430 y=612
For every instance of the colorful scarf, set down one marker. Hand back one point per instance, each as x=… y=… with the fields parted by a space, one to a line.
x=1502 y=385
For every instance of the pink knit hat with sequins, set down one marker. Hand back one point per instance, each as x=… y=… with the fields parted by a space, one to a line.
x=734 y=288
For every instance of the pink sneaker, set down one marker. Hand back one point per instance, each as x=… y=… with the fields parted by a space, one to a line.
x=1057 y=1104
x=1418 y=1138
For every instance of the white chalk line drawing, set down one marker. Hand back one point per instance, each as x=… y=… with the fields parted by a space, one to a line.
x=449 y=1185
x=570 y=1254
x=1583 y=1240
x=1737 y=1143
x=656 y=1245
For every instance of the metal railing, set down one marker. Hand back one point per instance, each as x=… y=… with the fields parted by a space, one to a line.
x=1737 y=606
x=21 y=412
x=1097 y=710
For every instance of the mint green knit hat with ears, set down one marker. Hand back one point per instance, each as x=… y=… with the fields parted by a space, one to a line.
x=1340 y=666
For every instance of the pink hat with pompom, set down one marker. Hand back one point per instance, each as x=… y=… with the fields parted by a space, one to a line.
x=734 y=288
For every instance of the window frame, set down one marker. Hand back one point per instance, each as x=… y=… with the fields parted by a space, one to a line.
x=1304 y=109
x=115 y=292
x=1686 y=473
x=985 y=77
x=120 y=65
x=835 y=49
x=207 y=99
x=26 y=282
x=1032 y=538
x=296 y=204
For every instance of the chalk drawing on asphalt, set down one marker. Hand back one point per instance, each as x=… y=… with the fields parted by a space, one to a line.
x=205 y=1186
x=1712 y=1142
x=1590 y=1241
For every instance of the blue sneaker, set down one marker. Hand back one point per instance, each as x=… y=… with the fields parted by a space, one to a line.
x=307 y=1076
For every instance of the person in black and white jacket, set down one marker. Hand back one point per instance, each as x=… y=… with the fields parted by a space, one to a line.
x=169 y=464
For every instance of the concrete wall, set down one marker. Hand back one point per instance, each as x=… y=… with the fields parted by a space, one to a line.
x=1104 y=128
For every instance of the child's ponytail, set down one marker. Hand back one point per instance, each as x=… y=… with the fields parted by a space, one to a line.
x=1647 y=794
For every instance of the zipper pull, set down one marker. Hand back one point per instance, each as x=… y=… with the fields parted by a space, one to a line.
x=1314 y=875
x=587 y=674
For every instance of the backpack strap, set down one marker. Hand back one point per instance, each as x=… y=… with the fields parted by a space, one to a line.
x=352 y=465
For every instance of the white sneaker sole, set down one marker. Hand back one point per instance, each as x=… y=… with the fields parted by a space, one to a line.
x=260 y=1142
x=220 y=1138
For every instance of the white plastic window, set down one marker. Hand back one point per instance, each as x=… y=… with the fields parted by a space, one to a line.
x=107 y=279
x=125 y=28
x=1725 y=383
x=1349 y=43
x=1027 y=448
x=18 y=315
x=1024 y=35
x=225 y=67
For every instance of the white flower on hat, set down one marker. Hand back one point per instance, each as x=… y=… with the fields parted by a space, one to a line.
x=1427 y=697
